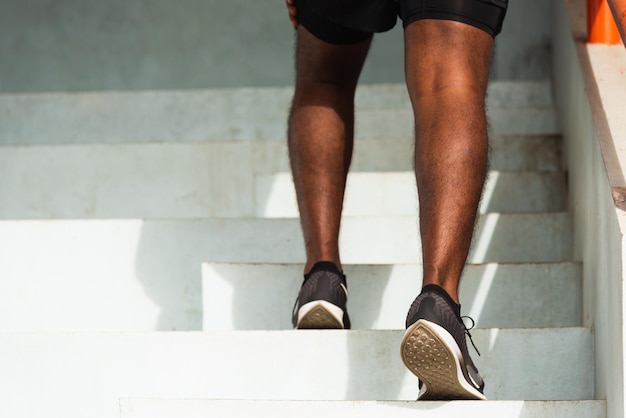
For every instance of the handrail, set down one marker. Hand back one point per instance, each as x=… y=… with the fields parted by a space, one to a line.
x=601 y=27
x=618 y=7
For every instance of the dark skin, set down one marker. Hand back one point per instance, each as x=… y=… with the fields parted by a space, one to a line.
x=293 y=13
x=446 y=67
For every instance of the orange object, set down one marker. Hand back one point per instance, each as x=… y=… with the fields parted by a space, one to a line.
x=601 y=27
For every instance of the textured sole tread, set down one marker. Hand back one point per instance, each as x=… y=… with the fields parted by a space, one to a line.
x=435 y=363
x=318 y=318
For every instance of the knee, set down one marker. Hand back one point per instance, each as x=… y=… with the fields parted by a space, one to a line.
x=443 y=96
x=324 y=93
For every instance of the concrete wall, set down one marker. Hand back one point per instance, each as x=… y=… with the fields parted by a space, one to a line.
x=595 y=174
x=68 y=45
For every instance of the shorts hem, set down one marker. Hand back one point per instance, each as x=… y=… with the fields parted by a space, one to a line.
x=453 y=18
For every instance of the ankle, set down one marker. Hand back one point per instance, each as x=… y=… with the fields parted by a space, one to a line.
x=450 y=290
x=323 y=266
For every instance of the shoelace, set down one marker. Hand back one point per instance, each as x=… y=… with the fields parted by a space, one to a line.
x=293 y=311
x=467 y=331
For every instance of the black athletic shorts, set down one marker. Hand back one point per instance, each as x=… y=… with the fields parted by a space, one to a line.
x=350 y=21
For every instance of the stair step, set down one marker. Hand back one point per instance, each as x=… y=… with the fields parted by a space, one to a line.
x=500 y=94
x=78 y=375
x=233 y=114
x=199 y=408
x=396 y=123
x=153 y=268
x=260 y=296
x=514 y=238
x=371 y=194
x=525 y=152
x=199 y=180
x=508 y=153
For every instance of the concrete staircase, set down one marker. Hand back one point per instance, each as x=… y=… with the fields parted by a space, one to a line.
x=150 y=254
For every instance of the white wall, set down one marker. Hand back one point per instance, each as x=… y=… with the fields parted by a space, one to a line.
x=57 y=45
x=590 y=157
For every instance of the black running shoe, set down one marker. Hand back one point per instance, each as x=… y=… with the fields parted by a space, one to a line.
x=434 y=348
x=321 y=303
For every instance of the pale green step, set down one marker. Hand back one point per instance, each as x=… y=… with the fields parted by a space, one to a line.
x=77 y=375
x=221 y=179
x=508 y=153
x=151 y=270
x=244 y=114
x=260 y=296
x=399 y=123
x=202 y=408
x=372 y=194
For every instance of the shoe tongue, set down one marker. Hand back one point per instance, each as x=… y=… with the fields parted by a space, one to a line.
x=323 y=266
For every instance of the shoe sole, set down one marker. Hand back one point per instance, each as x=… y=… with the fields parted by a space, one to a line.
x=320 y=314
x=430 y=353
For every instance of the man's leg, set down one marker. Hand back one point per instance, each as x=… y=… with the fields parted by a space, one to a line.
x=321 y=125
x=447 y=67
x=320 y=138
